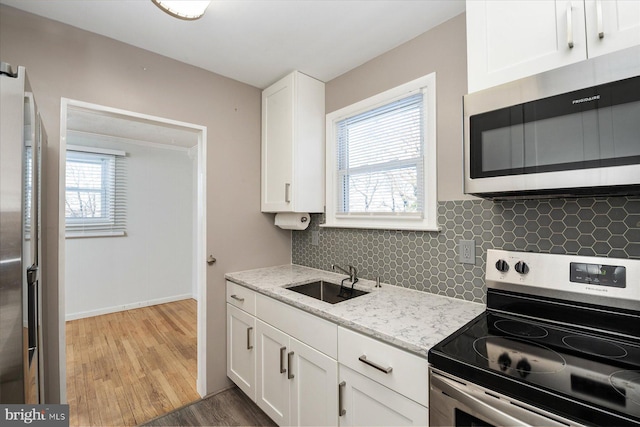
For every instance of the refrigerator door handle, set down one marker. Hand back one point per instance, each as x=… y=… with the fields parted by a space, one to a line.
x=32 y=274
x=32 y=306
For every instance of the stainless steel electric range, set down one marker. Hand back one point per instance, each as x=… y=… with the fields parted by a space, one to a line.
x=559 y=345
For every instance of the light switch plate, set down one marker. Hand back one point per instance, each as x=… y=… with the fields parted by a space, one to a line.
x=467 y=251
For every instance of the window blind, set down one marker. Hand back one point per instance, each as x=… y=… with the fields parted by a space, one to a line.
x=380 y=158
x=95 y=193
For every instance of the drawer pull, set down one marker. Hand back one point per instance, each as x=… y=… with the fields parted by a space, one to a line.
x=283 y=350
x=364 y=359
x=237 y=298
x=341 y=410
x=249 y=346
x=289 y=357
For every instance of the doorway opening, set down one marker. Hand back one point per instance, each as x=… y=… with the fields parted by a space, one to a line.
x=132 y=221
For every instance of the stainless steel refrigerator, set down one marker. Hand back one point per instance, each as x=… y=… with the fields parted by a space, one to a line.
x=21 y=139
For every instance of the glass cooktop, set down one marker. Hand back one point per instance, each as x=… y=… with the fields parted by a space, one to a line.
x=591 y=369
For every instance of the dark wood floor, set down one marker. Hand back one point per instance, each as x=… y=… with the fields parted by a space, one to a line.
x=228 y=408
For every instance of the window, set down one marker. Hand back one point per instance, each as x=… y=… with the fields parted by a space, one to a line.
x=95 y=192
x=381 y=160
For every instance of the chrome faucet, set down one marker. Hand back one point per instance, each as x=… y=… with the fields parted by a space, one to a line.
x=352 y=272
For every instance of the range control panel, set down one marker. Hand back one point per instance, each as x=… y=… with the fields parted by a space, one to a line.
x=565 y=276
x=598 y=274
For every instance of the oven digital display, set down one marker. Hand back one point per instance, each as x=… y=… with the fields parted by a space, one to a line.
x=599 y=275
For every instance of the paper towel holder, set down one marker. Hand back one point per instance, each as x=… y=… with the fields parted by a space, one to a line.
x=292 y=220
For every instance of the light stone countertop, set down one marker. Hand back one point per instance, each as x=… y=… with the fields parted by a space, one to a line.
x=409 y=319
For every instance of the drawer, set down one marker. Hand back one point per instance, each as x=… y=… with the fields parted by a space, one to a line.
x=390 y=366
x=311 y=330
x=241 y=297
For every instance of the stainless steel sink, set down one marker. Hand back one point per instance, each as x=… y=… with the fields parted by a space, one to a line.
x=327 y=292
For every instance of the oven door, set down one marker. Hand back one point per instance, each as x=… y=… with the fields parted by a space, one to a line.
x=453 y=402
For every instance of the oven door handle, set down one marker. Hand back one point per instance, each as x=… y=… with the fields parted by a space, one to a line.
x=491 y=414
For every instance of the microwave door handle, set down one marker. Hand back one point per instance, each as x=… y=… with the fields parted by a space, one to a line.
x=493 y=415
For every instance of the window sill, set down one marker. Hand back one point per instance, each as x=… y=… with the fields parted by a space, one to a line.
x=372 y=226
x=90 y=234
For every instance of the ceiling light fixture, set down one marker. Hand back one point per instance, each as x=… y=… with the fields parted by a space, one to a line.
x=183 y=9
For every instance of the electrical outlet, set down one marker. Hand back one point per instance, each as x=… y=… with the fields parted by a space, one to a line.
x=467 y=251
x=315 y=238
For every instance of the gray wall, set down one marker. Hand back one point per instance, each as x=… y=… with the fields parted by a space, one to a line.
x=427 y=261
x=63 y=61
x=441 y=50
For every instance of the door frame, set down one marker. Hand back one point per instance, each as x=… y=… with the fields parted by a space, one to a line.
x=199 y=236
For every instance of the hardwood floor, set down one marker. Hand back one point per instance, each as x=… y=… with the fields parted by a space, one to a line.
x=127 y=368
x=228 y=408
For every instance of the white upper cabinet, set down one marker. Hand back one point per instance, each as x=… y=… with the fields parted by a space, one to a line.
x=293 y=123
x=611 y=25
x=508 y=40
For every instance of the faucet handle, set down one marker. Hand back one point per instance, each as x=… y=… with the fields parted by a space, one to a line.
x=353 y=273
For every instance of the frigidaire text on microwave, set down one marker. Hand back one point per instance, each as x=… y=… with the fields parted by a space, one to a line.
x=573 y=131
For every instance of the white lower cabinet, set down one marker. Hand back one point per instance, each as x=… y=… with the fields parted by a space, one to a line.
x=380 y=385
x=302 y=370
x=314 y=391
x=296 y=384
x=273 y=384
x=365 y=402
x=241 y=353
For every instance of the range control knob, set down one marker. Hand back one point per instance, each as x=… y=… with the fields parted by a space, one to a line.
x=521 y=267
x=524 y=368
x=501 y=265
x=504 y=361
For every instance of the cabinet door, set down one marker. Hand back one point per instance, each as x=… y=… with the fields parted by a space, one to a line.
x=314 y=389
x=241 y=353
x=368 y=403
x=508 y=40
x=612 y=25
x=272 y=392
x=277 y=146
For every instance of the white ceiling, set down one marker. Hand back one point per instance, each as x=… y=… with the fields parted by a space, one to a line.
x=258 y=41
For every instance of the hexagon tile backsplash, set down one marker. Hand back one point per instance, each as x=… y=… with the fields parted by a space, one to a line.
x=428 y=261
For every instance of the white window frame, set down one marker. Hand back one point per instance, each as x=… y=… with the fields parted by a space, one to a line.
x=97 y=227
x=428 y=220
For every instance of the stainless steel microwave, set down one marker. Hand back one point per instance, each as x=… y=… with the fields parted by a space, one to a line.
x=572 y=131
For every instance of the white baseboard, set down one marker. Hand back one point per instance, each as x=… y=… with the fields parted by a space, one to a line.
x=115 y=309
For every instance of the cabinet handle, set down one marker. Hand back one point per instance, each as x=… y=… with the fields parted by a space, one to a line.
x=287 y=190
x=283 y=350
x=380 y=368
x=599 y=19
x=569 y=26
x=341 y=410
x=249 y=346
x=289 y=361
x=237 y=298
